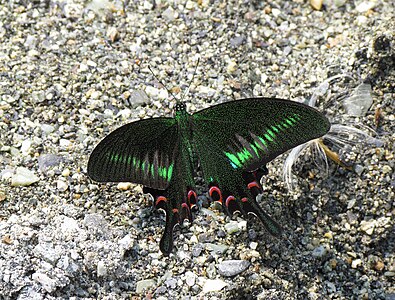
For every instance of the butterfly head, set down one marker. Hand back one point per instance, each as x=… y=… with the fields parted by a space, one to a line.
x=180 y=107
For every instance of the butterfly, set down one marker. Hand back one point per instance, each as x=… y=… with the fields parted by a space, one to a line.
x=230 y=143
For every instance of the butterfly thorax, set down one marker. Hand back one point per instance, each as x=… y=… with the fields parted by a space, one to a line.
x=184 y=122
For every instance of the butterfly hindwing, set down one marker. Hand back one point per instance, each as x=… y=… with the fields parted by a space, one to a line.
x=140 y=152
x=235 y=140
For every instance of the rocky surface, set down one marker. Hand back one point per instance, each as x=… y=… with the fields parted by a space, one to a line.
x=72 y=71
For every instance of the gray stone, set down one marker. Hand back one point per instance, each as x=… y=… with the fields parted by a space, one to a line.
x=230 y=268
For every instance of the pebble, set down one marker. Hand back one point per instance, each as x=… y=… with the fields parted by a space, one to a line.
x=232 y=227
x=316 y=4
x=151 y=91
x=66 y=172
x=171 y=283
x=69 y=225
x=101 y=268
x=216 y=248
x=23 y=177
x=355 y=263
x=358 y=169
x=213 y=285
x=319 y=252
x=137 y=98
x=364 y=6
x=47 y=252
x=197 y=250
x=253 y=245
x=331 y=287
x=229 y=268
x=145 y=285
x=49 y=160
x=169 y=14
x=190 y=278
x=236 y=42
x=61 y=185
x=124 y=186
x=25 y=147
x=367 y=226
x=96 y=221
x=46 y=282
x=64 y=143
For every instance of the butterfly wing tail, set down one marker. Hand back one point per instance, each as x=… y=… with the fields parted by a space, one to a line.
x=176 y=213
x=166 y=242
x=250 y=206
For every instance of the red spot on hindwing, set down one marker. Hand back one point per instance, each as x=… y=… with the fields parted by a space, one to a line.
x=160 y=199
x=192 y=197
x=253 y=184
x=230 y=198
x=215 y=193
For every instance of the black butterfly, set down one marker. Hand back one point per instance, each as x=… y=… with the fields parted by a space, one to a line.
x=231 y=142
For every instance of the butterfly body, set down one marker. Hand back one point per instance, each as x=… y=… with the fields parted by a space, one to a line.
x=231 y=142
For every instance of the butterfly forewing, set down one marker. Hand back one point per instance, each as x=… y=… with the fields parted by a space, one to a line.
x=249 y=133
x=141 y=152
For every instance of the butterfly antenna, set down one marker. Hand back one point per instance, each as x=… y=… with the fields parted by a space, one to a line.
x=190 y=82
x=157 y=79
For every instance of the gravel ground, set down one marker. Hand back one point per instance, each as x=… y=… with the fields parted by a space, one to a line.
x=72 y=71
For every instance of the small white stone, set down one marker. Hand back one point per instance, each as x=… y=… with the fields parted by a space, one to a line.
x=231 y=67
x=148 y=5
x=253 y=245
x=355 y=263
x=387 y=169
x=242 y=225
x=214 y=285
x=368 y=226
x=264 y=78
x=361 y=20
x=365 y=6
x=194 y=239
x=126 y=242
x=189 y=5
x=205 y=90
x=66 y=172
x=190 y=278
x=276 y=12
x=95 y=94
x=232 y=227
x=62 y=185
x=25 y=147
x=101 y=269
x=124 y=186
x=69 y=224
x=64 y=143
x=46 y=128
x=23 y=177
x=91 y=63
x=144 y=285
x=47 y=283
x=151 y=91
x=83 y=68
